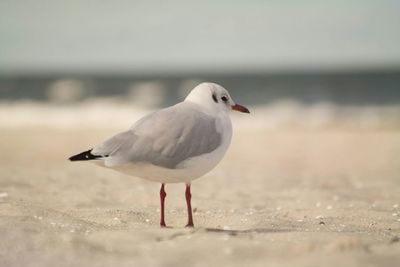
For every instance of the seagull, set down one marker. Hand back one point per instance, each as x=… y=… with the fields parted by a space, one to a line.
x=173 y=145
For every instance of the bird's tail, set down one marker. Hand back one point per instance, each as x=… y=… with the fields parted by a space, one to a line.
x=86 y=155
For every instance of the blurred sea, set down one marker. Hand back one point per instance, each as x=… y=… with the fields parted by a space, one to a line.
x=278 y=101
x=339 y=88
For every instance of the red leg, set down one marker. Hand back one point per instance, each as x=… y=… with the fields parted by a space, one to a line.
x=189 y=206
x=162 y=199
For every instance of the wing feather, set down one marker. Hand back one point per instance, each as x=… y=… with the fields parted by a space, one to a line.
x=164 y=138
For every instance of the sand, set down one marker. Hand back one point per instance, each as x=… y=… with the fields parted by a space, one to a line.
x=281 y=197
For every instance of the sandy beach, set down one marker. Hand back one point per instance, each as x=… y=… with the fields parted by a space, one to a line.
x=311 y=177
x=281 y=197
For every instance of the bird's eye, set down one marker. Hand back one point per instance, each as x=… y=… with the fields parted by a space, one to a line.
x=224 y=98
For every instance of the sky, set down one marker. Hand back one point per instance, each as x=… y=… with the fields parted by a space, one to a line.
x=176 y=36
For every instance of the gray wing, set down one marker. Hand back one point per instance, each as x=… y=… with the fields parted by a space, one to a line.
x=164 y=138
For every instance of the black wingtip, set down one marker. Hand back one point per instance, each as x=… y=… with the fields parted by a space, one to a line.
x=86 y=155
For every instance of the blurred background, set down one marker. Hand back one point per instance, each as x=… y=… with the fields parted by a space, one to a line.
x=312 y=173
x=331 y=62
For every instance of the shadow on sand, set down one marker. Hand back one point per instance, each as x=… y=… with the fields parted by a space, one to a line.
x=225 y=232
x=247 y=231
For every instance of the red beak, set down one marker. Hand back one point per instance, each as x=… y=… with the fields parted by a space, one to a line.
x=240 y=108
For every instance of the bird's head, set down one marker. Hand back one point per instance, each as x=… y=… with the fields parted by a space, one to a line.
x=214 y=97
